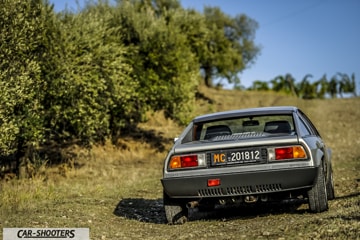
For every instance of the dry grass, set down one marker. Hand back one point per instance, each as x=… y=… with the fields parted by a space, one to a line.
x=116 y=191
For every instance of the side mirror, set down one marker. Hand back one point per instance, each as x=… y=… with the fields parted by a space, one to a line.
x=175 y=139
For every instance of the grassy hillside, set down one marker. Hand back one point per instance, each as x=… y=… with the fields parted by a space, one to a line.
x=116 y=192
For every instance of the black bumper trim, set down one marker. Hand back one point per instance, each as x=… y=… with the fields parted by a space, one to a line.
x=237 y=184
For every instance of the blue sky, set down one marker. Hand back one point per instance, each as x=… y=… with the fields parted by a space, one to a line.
x=314 y=37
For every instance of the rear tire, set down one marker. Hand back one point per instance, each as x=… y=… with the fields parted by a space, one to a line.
x=175 y=211
x=318 y=201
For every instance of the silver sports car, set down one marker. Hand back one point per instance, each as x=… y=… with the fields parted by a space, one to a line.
x=247 y=156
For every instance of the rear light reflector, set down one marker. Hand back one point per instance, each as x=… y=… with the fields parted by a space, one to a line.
x=287 y=153
x=187 y=161
x=213 y=182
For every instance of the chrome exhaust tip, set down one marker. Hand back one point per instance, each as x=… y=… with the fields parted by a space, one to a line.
x=251 y=199
x=192 y=204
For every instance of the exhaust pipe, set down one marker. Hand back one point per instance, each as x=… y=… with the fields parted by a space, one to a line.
x=192 y=204
x=264 y=198
x=251 y=199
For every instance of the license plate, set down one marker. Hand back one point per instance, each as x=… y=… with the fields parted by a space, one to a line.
x=236 y=157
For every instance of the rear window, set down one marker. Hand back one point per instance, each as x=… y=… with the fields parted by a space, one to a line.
x=269 y=124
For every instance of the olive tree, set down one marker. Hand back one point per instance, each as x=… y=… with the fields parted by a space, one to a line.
x=22 y=51
x=166 y=68
x=230 y=46
x=95 y=95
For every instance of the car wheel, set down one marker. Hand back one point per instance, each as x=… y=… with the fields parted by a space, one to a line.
x=318 y=201
x=175 y=210
x=330 y=186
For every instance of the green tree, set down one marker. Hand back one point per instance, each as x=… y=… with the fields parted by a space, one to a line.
x=164 y=64
x=229 y=45
x=23 y=52
x=95 y=95
x=284 y=84
x=158 y=6
x=333 y=87
x=306 y=89
x=346 y=84
x=290 y=83
x=353 y=84
x=260 y=86
x=321 y=87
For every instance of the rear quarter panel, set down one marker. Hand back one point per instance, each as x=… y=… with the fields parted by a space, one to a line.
x=313 y=145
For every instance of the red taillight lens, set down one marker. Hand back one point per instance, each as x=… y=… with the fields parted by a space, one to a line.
x=183 y=161
x=293 y=152
x=189 y=161
x=283 y=153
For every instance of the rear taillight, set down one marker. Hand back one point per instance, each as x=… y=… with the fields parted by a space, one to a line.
x=287 y=153
x=283 y=153
x=187 y=161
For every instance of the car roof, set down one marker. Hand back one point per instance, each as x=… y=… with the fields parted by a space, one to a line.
x=246 y=112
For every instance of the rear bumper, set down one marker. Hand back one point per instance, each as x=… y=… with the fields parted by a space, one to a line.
x=237 y=184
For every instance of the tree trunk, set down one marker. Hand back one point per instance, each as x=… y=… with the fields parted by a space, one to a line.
x=208 y=80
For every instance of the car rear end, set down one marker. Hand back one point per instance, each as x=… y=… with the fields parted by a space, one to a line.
x=230 y=172
x=239 y=157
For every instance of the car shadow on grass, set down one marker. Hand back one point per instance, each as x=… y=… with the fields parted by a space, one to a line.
x=152 y=211
x=248 y=211
x=142 y=210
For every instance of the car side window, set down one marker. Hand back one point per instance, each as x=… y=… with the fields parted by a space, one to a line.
x=308 y=124
x=304 y=131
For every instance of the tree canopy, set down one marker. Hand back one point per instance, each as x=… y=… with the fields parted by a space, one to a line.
x=92 y=74
x=229 y=45
x=337 y=85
